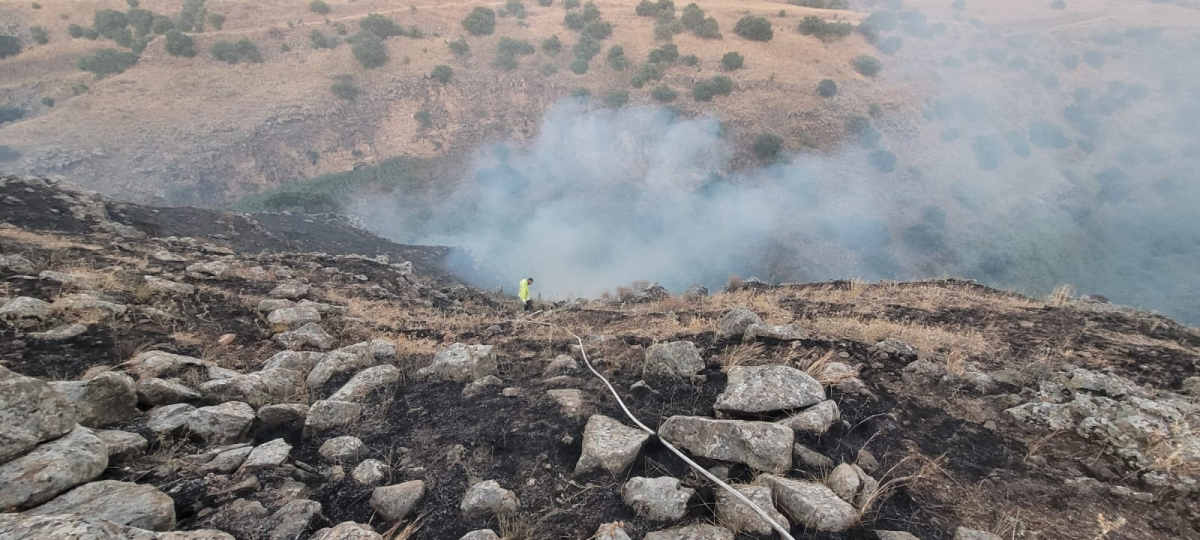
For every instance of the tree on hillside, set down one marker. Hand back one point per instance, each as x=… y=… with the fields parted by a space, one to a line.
x=369 y=50
x=732 y=60
x=381 y=26
x=692 y=16
x=552 y=45
x=867 y=65
x=319 y=6
x=480 y=22
x=663 y=93
x=105 y=62
x=767 y=146
x=442 y=74
x=754 y=28
x=180 y=44
x=827 y=88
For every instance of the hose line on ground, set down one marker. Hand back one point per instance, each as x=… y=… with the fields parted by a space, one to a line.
x=583 y=352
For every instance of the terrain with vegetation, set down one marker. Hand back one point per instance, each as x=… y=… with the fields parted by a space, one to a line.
x=177 y=373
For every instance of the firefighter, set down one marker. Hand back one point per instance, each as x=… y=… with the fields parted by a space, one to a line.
x=523 y=293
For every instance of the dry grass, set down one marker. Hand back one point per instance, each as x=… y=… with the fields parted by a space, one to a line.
x=47 y=241
x=894 y=479
x=822 y=370
x=925 y=338
x=1061 y=296
x=741 y=354
x=1176 y=453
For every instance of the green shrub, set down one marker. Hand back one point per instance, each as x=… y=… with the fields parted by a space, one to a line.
x=380 y=26
x=141 y=20
x=91 y=33
x=663 y=93
x=340 y=29
x=232 y=53
x=547 y=70
x=75 y=31
x=882 y=160
x=862 y=130
x=319 y=6
x=1058 y=4
x=581 y=93
x=424 y=118
x=732 y=61
x=79 y=89
x=821 y=4
x=285 y=47
x=617 y=59
x=216 y=20
x=579 y=66
x=35 y=5
x=661 y=8
x=587 y=47
x=515 y=7
x=161 y=24
x=180 y=44
x=617 y=98
x=707 y=89
x=889 y=45
x=191 y=16
x=442 y=74
x=692 y=16
x=38 y=34
x=345 y=88
x=109 y=23
x=875 y=110
x=825 y=30
x=690 y=60
x=105 y=62
x=827 y=88
x=321 y=41
x=867 y=65
x=665 y=54
x=598 y=29
x=515 y=47
x=369 y=50
x=552 y=45
x=11 y=114
x=663 y=32
x=8 y=153
x=574 y=20
x=48 y=101
x=767 y=146
x=459 y=47
x=1047 y=135
x=300 y=201
x=989 y=152
x=708 y=29
x=754 y=28
x=650 y=71
x=480 y=22
x=545 y=3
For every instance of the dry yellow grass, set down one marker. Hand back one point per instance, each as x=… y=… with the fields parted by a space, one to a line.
x=47 y=241
x=925 y=338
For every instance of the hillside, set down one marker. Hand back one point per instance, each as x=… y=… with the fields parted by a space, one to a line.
x=234 y=387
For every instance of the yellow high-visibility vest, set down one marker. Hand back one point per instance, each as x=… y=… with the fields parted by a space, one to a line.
x=523 y=292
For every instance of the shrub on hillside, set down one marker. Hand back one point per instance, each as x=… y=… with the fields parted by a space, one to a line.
x=827 y=88
x=515 y=8
x=587 y=48
x=380 y=26
x=319 y=6
x=882 y=160
x=665 y=54
x=38 y=35
x=1094 y=58
x=1047 y=135
x=321 y=41
x=889 y=45
x=345 y=88
x=650 y=71
x=1018 y=143
x=8 y=153
x=708 y=29
x=369 y=50
x=232 y=53
x=545 y=3
x=552 y=45
x=11 y=114
x=767 y=146
x=617 y=98
x=598 y=29
x=105 y=62
x=547 y=70
x=442 y=73
x=732 y=61
x=754 y=28
x=579 y=66
x=707 y=89
x=75 y=31
x=617 y=59
x=141 y=20
x=989 y=152
x=109 y=23
x=825 y=30
x=821 y=4
x=424 y=118
x=661 y=8
x=480 y=22
x=301 y=201
x=506 y=61
x=867 y=65
x=161 y=24
x=217 y=21
x=1058 y=4
x=581 y=93
x=515 y=47
x=180 y=44
x=690 y=60
x=663 y=93
x=862 y=130
x=570 y=4
x=692 y=16
x=459 y=47
x=91 y=34
x=924 y=238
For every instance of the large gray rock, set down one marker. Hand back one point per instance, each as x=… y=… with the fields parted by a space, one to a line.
x=345 y=449
x=25 y=308
x=60 y=333
x=31 y=411
x=292 y=519
x=570 y=401
x=17 y=264
x=52 y=468
x=326 y=414
x=169 y=418
x=370 y=472
x=82 y=304
x=267 y=456
x=963 y=533
x=561 y=365
x=816 y=419
x=812 y=505
x=76 y=527
x=163 y=364
x=481 y=534
x=659 y=499
x=302 y=361
x=105 y=399
x=895 y=535
x=761 y=445
x=122 y=445
x=292 y=290
x=609 y=445
x=676 y=359
x=488 y=497
x=268 y=305
x=207 y=270
x=461 y=363
x=844 y=481
x=367 y=381
x=811 y=458
x=221 y=424
x=394 y=503
x=379 y=350
x=309 y=335
x=347 y=530
x=223 y=459
x=787 y=332
x=758 y=389
x=165 y=286
x=258 y=388
x=692 y=532
x=123 y=503
x=78 y=281
x=736 y=321
x=274 y=416
x=740 y=517
x=336 y=363
x=695 y=293
x=153 y=392
x=294 y=316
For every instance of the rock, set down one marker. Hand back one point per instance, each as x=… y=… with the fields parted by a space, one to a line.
x=276 y=416
x=367 y=381
x=169 y=418
x=370 y=472
x=52 y=468
x=1104 y=384
x=336 y=363
x=162 y=364
x=787 y=332
x=394 y=503
x=59 y=333
x=844 y=481
x=293 y=519
x=165 y=286
x=292 y=291
x=345 y=449
x=163 y=255
x=153 y=392
x=695 y=293
x=266 y=456
x=963 y=533
x=268 y=305
x=735 y=323
x=865 y=460
x=17 y=264
x=379 y=350
x=347 y=530
x=216 y=373
x=1190 y=386
x=31 y=412
x=24 y=307
x=611 y=531
x=81 y=304
x=221 y=424
x=895 y=347
x=609 y=445
x=816 y=419
x=895 y=535
x=461 y=363
x=225 y=459
x=301 y=361
x=122 y=445
x=105 y=399
x=481 y=534
x=488 y=497
x=757 y=389
x=309 y=335
x=658 y=499
x=76 y=527
x=123 y=503
x=480 y=386
x=811 y=505
x=761 y=445
x=692 y=532
x=811 y=458
x=570 y=400
x=740 y=517
x=677 y=359
x=294 y=316
x=326 y=414
x=257 y=389
x=208 y=270
x=561 y=365
x=70 y=280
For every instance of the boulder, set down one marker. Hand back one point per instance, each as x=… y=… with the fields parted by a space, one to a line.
x=816 y=419
x=811 y=505
x=692 y=532
x=257 y=389
x=759 y=389
x=811 y=458
x=163 y=255
x=302 y=361
x=370 y=472
x=480 y=386
x=786 y=332
x=76 y=527
x=367 y=381
x=336 y=363
x=561 y=365
x=59 y=333
x=309 y=335
x=266 y=456
x=740 y=517
x=17 y=264
x=326 y=414
x=153 y=392
x=676 y=359
x=379 y=350
x=162 y=364
x=165 y=286
x=609 y=445
x=25 y=308
x=761 y=445
x=80 y=304
x=895 y=535
x=123 y=503
x=276 y=416
x=481 y=534
x=105 y=399
x=292 y=290
x=347 y=530
x=293 y=519
x=208 y=270
x=228 y=422
x=169 y=418
x=268 y=305
x=611 y=531
x=122 y=445
x=695 y=293
x=294 y=316
x=70 y=280
x=963 y=533
x=461 y=363
x=52 y=468
x=394 y=503
x=31 y=412
x=658 y=499
x=570 y=400
x=844 y=481
x=735 y=323
x=488 y=497
x=345 y=449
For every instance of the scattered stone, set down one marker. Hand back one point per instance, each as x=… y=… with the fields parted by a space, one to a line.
x=225 y=459
x=122 y=445
x=336 y=363
x=810 y=504
x=394 y=503
x=258 y=388
x=761 y=445
x=123 y=503
x=208 y=270
x=481 y=534
x=488 y=497
x=59 y=333
x=80 y=304
x=379 y=350
x=216 y=373
x=290 y=291
x=895 y=535
x=512 y=391
x=70 y=280
x=17 y=264
x=267 y=456
x=844 y=481
x=692 y=532
x=963 y=533
x=816 y=419
x=866 y=460
x=609 y=445
x=347 y=530
x=694 y=294
x=740 y=517
x=658 y=499
x=31 y=412
x=105 y=399
x=570 y=401
x=561 y=365
x=163 y=255
x=294 y=316
x=162 y=364
x=268 y=305
x=480 y=386
x=52 y=468
x=758 y=389
x=787 y=332
x=293 y=519
x=736 y=321
x=24 y=307
x=895 y=347
x=370 y=472
x=345 y=449
x=226 y=340
x=677 y=359
x=169 y=418
x=228 y=422
x=309 y=335
x=153 y=392
x=275 y=416
x=301 y=361
x=461 y=363
x=76 y=527
x=367 y=381
x=166 y=286
x=811 y=458
x=326 y=414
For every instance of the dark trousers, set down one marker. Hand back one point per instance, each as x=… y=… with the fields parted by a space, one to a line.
x=529 y=305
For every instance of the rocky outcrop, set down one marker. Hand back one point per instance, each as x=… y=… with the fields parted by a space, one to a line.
x=758 y=389
x=394 y=503
x=761 y=445
x=659 y=499
x=122 y=445
x=309 y=335
x=735 y=323
x=31 y=412
x=256 y=389
x=676 y=359
x=123 y=503
x=740 y=517
x=461 y=363
x=609 y=445
x=811 y=505
x=52 y=468
x=105 y=399
x=163 y=364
